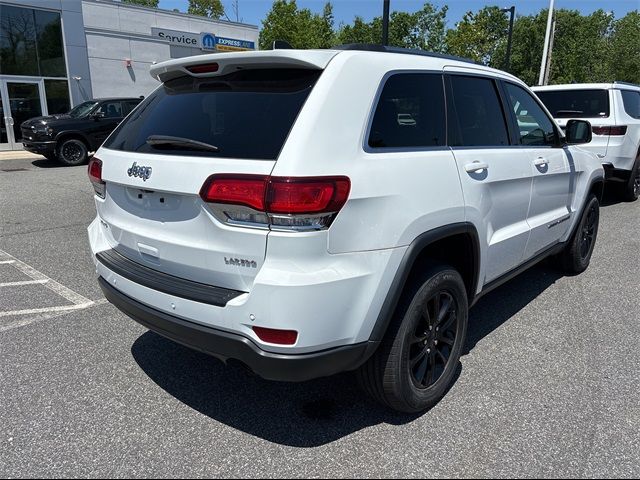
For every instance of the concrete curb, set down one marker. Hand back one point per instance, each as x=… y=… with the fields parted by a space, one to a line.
x=19 y=154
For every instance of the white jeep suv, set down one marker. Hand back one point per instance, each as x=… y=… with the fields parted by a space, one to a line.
x=614 y=111
x=312 y=212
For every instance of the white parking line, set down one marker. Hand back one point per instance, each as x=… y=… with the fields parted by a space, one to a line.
x=25 y=282
x=79 y=302
x=22 y=322
x=7 y=262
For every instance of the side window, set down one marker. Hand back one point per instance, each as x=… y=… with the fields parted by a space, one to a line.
x=111 y=109
x=410 y=112
x=631 y=101
x=130 y=105
x=534 y=126
x=476 y=118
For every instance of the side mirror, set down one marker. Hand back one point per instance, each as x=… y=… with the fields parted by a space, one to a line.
x=97 y=115
x=578 y=132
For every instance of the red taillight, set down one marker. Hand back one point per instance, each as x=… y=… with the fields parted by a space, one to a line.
x=95 y=176
x=95 y=170
x=291 y=196
x=280 y=337
x=286 y=200
x=206 y=68
x=248 y=190
x=610 y=130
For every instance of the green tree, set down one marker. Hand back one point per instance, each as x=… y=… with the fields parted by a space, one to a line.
x=625 y=48
x=581 y=48
x=480 y=36
x=144 y=3
x=424 y=29
x=206 y=8
x=299 y=27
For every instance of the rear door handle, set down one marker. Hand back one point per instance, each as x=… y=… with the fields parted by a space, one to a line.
x=476 y=167
x=541 y=162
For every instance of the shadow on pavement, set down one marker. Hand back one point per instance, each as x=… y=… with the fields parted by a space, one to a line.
x=312 y=413
x=46 y=163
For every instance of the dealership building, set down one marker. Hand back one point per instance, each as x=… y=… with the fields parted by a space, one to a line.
x=55 y=54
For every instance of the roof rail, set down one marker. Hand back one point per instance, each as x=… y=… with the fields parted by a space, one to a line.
x=374 y=47
x=628 y=84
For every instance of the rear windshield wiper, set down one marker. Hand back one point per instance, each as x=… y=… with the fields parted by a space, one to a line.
x=165 y=141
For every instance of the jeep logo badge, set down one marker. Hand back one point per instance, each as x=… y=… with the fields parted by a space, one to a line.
x=141 y=172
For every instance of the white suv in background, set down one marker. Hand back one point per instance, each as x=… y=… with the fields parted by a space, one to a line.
x=614 y=112
x=312 y=212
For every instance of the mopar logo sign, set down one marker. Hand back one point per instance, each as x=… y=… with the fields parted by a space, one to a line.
x=208 y=41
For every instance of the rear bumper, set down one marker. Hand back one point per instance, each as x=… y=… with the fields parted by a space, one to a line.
x=226 y=345
x=41 y=148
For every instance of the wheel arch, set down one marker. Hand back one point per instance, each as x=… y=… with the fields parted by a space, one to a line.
x=66 y=135
x=457 y=245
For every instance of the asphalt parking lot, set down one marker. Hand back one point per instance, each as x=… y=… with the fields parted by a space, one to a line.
x=549 y=385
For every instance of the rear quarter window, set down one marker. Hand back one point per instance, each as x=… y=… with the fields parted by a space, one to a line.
x=410 y=112
x=631 y=100
x=576 y=103
x=246 y=114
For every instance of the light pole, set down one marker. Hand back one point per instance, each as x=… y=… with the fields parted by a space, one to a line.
x=507 y=60
x=547 y=40
x=385 y=23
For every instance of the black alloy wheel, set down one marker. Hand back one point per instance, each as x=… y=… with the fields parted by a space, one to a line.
x=432 y=342
x=72 y=152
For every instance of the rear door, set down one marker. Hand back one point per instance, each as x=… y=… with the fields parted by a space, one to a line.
x=553 y=169
x=496 y=176
x=153 y=213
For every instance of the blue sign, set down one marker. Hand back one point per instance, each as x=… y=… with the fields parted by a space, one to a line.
x=208 y=41
x=231 y=44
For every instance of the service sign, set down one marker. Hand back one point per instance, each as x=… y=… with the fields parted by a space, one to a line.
x=174 y=37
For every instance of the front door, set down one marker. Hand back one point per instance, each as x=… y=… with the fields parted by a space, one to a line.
x=20 y=101
x=553 y=171
x=496 y=176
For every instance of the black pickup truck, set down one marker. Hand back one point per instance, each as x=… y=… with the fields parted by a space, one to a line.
x=69 y=138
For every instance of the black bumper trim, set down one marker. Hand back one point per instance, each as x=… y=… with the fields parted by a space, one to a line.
x=163 y=282
x=226 y=345
x=39 y=147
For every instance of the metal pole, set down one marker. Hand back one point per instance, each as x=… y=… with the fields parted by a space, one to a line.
x=547 y=37
x=385 y=23
x=507 y=61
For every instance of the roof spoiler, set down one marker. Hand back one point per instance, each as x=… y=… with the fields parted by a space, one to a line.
x=224 y=63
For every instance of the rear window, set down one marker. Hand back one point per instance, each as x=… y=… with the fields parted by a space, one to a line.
x=631 y=101
x=576 y=103
x=246 y=114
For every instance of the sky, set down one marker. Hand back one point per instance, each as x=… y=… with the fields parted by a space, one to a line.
x=254 y=11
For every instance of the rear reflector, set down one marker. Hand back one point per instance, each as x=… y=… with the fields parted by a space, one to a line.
x=279 y=337
x=610 y=130
x=95 y=176
x=206 y=68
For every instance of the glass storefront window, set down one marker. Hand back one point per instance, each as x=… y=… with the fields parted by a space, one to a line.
x=31 y=42
x=18 y=54
x=57 y=93
x=49 y=42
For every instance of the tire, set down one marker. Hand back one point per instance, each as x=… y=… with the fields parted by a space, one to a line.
x=388 y=376
x=72 y=152
x=632 y=188
x=577 y=254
